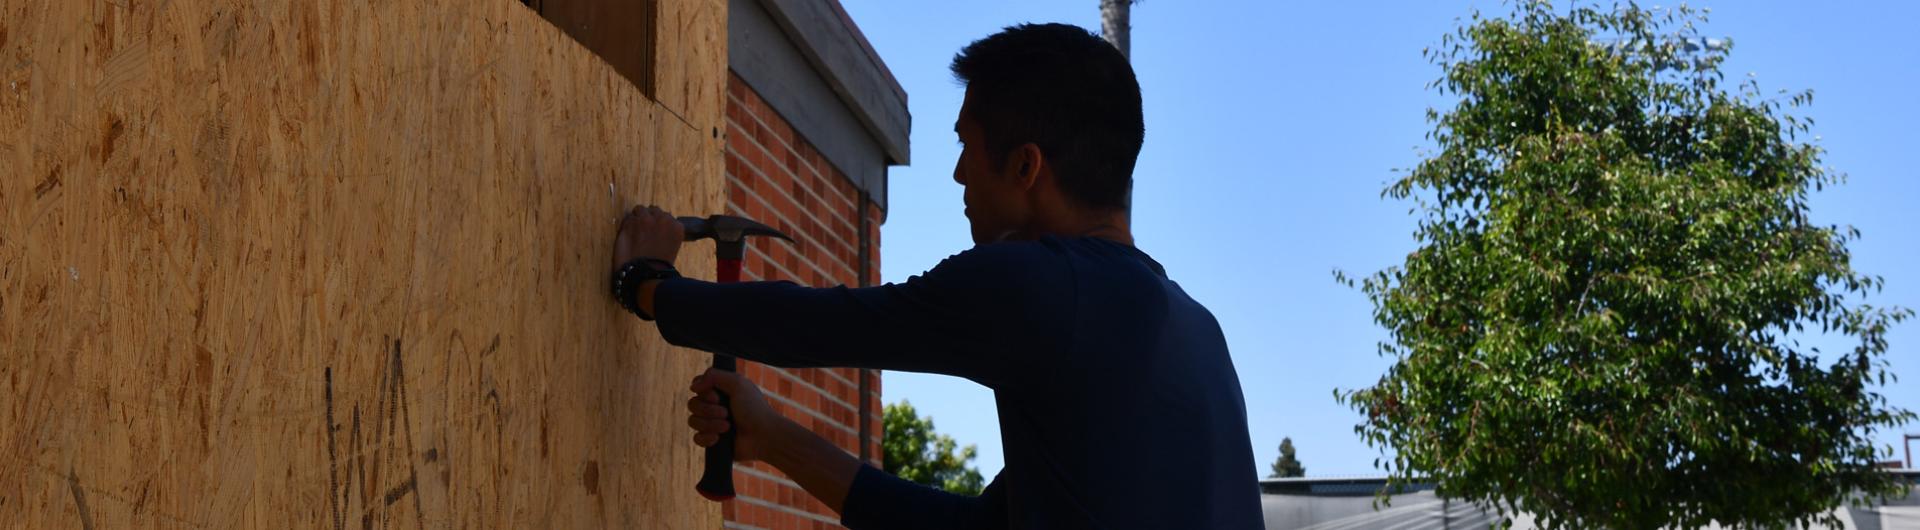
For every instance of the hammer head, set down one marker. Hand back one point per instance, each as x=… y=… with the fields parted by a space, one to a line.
x=727 y=228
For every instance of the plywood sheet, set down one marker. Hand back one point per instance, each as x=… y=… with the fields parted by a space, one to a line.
x=334 y=264
x=687 y=56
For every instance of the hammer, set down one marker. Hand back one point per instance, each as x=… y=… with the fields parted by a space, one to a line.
x=729 y=235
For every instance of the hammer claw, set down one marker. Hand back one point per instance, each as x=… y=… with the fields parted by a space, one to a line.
x=727 y=228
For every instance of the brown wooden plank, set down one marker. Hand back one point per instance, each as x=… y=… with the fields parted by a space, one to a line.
x=620 y=31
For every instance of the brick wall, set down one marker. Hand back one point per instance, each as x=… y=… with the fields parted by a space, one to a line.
x=776 y=177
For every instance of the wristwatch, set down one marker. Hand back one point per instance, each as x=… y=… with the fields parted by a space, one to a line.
x=627 y=280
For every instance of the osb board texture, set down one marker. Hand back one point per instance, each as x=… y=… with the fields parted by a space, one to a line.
x=686 y=51
x=337 y=264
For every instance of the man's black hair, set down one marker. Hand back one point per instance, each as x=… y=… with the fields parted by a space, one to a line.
x=1065 y=90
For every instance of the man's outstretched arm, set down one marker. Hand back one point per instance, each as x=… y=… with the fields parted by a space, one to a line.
x=865 y=498
x=971 y=316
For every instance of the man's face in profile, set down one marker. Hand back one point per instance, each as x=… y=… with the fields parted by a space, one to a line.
x=994 y=208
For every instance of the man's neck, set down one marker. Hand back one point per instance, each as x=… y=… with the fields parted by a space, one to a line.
x=1114 y=226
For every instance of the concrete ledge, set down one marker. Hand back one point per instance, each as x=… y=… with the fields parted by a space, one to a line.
x=808 y=61
x=829 y=39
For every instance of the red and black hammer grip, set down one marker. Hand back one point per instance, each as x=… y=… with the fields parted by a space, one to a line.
x=716 y=482
x=728 y=271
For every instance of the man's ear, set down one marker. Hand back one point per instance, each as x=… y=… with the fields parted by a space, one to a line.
x=1025 y=164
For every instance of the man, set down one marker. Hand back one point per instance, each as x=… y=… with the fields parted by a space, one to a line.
x=1118 y=404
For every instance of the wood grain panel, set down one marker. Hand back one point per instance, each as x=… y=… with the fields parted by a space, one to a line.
x=334 y=264
x=686 y=56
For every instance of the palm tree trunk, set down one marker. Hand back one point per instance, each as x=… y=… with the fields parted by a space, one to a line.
x=1116 y=22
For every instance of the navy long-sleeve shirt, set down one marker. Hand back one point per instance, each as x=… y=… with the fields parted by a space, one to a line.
x=1118 y=404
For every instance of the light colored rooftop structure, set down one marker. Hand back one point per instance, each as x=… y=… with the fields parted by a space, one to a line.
x=1348 y=504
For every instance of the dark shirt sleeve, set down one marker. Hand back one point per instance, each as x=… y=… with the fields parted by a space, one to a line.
x=970 y=316
x=879 y=501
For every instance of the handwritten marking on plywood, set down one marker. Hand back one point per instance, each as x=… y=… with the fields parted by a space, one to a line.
x=334 y=264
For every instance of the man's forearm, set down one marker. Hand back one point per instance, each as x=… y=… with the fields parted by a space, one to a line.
x=644 y=296
x=816 y=464
x=820 y=467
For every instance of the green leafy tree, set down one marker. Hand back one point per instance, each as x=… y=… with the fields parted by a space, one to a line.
x=1286 y=465
x=916 y=453
x=1600 y=325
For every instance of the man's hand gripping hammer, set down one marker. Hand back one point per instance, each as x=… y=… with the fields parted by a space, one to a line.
x=729 y=235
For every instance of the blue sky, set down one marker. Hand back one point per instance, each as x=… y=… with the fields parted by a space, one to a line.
x=1272 y=127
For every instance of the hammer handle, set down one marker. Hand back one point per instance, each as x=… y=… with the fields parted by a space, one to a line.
x=716 y=482
x=728 y=272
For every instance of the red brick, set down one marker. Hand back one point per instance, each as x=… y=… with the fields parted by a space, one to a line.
x=777 y=177
x=735 y=87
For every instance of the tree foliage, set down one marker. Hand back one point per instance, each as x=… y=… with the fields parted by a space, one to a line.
x=1601 y=324
x=915 y=452
x=1287 y=465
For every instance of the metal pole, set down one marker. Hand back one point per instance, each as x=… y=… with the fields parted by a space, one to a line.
x=865 y=280
x=1908 y=445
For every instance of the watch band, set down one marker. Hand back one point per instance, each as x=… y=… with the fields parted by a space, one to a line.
x=627 y=280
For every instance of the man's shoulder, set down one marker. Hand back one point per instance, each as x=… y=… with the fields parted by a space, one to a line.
x=1004 y=257
x=1011 y=272
x=1051 y=262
